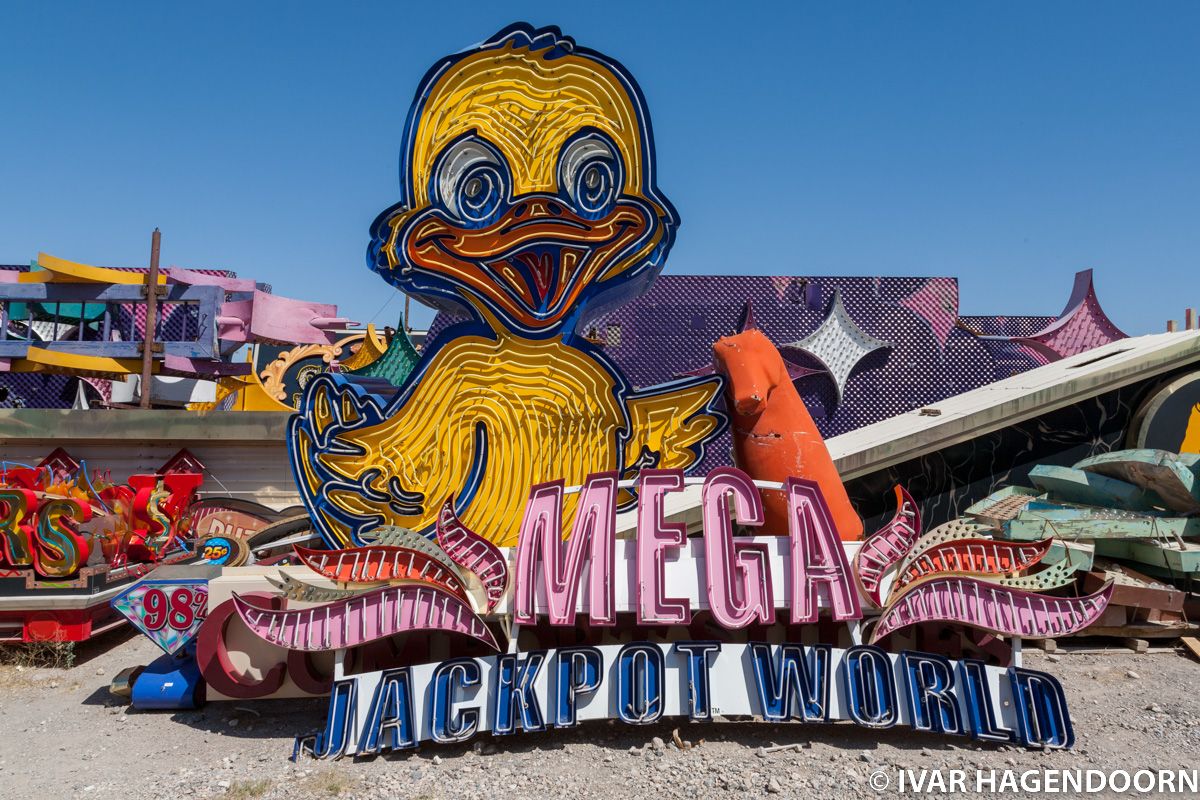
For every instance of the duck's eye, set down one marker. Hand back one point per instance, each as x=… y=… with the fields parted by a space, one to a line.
x=471 y=181
x=590 y=175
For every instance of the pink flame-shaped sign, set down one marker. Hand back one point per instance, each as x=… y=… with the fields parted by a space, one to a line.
x=365 y=618
x=887 y=546
x=990 y=607
x=473 y=553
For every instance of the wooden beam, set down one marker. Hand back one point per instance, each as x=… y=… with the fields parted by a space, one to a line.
x=1169 y=556
x=1136 y=645
x=1034 y=525
x=147 y=382
x=1139 y=631
x=1136 y=592
x=1192 y=644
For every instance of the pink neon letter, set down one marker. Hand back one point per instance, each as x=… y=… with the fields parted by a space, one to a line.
x=562 y=566
x=817 y=556
x=739 y=575
x=654 y=536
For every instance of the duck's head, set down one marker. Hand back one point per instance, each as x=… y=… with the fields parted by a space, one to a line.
x=529 y=187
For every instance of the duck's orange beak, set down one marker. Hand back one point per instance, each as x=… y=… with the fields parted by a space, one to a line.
x=535 y=260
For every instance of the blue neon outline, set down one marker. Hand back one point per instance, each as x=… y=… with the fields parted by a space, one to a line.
x=985 y=727
x=882 y=687
x=343 y=705
x=513 y=678
x=618 y=164
x=1056 y=698
x=566 y=693
x=504 y=169
x=372 y=741
x=699 y=681
x=763 y=659
x=453 y=725
x=655 y=668
x=917 y=692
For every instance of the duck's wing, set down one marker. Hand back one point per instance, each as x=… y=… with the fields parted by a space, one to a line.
x=670 y=424
x=327 y=429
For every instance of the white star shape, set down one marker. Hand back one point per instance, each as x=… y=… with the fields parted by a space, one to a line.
x=839 y=344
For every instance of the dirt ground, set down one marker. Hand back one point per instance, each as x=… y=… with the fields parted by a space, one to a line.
x=62 y=734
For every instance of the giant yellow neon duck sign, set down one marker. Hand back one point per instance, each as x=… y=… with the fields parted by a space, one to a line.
x=529 y=204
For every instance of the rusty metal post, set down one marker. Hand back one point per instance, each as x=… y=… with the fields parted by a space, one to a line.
x=151 y=291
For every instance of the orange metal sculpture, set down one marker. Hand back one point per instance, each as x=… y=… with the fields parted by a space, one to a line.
x=774 y=436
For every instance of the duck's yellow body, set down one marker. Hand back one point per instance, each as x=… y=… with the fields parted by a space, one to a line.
x=489 y=418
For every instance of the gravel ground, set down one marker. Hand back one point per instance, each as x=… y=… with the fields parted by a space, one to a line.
x=62 y=734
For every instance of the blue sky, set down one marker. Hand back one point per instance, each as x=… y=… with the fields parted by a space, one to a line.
x=1007 y=144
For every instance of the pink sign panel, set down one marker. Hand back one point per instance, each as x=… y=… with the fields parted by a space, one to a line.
x=365 y=618
x=991 y=607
